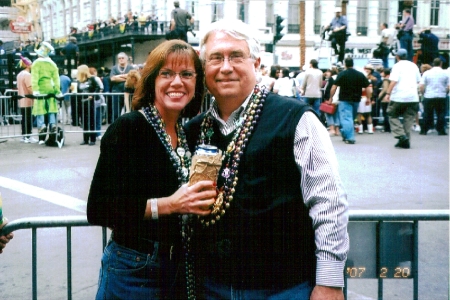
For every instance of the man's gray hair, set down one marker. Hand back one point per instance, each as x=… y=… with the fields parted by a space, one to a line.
x=122 y=54
x=236 y=29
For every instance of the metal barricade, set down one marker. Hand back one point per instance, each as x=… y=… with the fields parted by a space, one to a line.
x=380 y=217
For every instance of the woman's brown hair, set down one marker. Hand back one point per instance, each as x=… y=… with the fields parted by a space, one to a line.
x=145 y=90
x=133 y=74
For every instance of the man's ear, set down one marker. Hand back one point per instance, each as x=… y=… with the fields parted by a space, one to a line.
x=257 y=63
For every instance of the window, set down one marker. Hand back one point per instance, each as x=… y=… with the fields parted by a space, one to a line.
x=269 y=13
x=361 y=18
x=317 y=17
x=217 y=10
x=293 y=20
x=242 y=13
x=434 y=18
x=383 y=13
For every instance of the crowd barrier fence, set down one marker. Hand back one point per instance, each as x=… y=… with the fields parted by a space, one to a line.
x=358 y=221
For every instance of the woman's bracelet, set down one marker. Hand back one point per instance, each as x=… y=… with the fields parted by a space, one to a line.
x=154 y=208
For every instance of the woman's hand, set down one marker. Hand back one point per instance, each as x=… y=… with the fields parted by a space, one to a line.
x=196 y=199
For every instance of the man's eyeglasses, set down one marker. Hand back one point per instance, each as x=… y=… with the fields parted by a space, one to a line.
x=233 y=59
x=169 y=74
x=122 y=57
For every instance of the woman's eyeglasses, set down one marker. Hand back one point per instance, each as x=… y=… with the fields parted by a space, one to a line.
x=169 y=74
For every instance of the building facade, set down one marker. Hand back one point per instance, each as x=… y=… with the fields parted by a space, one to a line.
x=364 y=18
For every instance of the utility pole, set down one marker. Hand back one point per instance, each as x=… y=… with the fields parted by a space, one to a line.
x=302 y=33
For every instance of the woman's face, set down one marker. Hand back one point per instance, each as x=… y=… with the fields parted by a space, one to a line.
x=173 y=87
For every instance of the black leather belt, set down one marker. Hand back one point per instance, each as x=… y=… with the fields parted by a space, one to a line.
x=143 y=245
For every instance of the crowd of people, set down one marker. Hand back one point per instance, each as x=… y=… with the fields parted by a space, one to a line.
x=278 y=187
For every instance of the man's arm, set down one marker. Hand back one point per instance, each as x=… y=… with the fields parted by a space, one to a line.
x=116 y=77
x=324 y=194
x=389 y=90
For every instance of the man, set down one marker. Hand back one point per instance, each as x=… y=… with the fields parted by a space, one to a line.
x=429 y=46
x=351 y=83
x=260 y=239
x=339 y=33
x=434 y=85
x=387 y=38
x=311 y=88
x=45 y=80
x=403 y=97
x=71 y=53
x=405 y=33
x=118 y=77
x=25 y=104
x=179 y=22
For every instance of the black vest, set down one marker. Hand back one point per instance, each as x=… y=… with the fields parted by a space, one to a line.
x=265 y=239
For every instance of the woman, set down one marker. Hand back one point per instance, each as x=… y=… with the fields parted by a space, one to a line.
x=87 y=84
x=130 y=87
x=285 y=86
x=99 y=103
x=382 y=99
x=332 y=120
x=139 y=186
x=365 y=105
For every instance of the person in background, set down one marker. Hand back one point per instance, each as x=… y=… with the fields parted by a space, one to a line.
x=45 y=80
x=403 y=98
x=65 y=82
x=139 y=188
x=118 y=77
x=87 y=84
x=281 y=209
x=387 y=39
x=405 y=33
x=99 y=103
x=103 y=73
x=429 y=46
x=130 y=87
x=351 y=83
x=25 y=104
x=71 y=53
x=338 y=35
x=181 y=21
x=285 y=86
x=434 y=85
x=311 y=88
x=332 y=120
x=366 y=103
x=384 y=102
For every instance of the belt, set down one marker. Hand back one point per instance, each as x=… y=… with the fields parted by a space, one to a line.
x=144 y=245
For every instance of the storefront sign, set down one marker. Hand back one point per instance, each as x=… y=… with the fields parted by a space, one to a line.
x=20 y=25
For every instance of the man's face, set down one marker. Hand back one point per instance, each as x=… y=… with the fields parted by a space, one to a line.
x=229 y=79
x=122 y=59
x=338 y=14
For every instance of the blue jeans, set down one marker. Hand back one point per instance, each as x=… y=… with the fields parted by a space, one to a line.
x=129 y=274
x=333 y=120
x=347 y=112
x=40 y=120
x=314 y=102
x=214 y=290
x=406 y=43
x=98 y=119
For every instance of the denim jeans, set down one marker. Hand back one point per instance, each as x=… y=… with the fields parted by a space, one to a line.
x=406 y=42
x=347 y=112
x=430 y=106
x=215 y=291
x=129 y=274
x=333 y=120
x=40 y=120
x=314 y=102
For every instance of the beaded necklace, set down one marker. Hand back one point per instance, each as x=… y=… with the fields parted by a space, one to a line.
x=233 y=153
x=181 y=160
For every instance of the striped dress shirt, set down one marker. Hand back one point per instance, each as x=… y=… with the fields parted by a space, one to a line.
x=322 y=190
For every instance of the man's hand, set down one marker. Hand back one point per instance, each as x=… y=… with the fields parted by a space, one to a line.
x=327 y=293
x=4 y=239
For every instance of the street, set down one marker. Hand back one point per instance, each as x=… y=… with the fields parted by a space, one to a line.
x=374 y=173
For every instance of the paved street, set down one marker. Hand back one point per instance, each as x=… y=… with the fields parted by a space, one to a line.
x=374 y=173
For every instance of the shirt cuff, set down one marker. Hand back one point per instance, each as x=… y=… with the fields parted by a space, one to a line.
x=330 y=273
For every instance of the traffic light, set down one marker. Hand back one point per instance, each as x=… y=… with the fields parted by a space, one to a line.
x=278 y=28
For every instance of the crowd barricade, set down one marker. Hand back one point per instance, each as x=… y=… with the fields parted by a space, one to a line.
x=77 y=113
x=383 y=233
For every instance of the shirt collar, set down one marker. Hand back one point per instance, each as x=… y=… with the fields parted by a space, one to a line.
x=226 y=127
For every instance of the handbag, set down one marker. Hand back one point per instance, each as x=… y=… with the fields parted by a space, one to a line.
x=327 y=108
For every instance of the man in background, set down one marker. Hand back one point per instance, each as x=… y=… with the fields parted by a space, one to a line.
x=429 y=46
x=181 y=21
x=71 y=53
x=118 y=77
x=339 y=33
x=311 y=87
x=387 y=38
x=403 y=98
x=405 y=33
